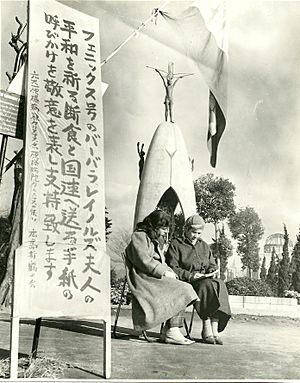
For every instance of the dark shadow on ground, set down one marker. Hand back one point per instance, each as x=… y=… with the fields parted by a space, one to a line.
x=86 y=327
x=5 y=354
x=83 y=370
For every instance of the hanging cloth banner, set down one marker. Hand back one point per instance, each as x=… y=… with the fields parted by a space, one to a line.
x=11 y=114
x=12 y=107
x=62 y=268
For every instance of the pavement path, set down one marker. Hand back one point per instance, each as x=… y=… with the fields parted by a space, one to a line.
x=254 y=348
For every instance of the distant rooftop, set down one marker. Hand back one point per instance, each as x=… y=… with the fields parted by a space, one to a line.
x=276 y=240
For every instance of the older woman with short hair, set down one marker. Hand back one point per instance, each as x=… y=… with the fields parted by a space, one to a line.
x=192 y=260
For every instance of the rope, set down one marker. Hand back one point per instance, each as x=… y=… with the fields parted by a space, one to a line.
x=135 y=32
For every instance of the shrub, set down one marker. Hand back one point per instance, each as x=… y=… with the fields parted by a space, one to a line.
x=247 y=286
x=291 y=294
x=116 y=293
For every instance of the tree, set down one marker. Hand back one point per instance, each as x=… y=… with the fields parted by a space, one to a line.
x=284 y=279
x=178 y=225
x=295 y=263
x=225 y=251
x=215 y=201
x=115 y=248
x=117 y=244
x=247 y=228
x=108 y=224
x=272 y=273
x=214 y=198
x=277 y=263
x=263 y=270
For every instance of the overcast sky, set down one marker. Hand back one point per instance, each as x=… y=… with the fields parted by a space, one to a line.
x=259 y=149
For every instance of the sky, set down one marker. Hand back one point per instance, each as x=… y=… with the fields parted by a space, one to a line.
x=258 y=152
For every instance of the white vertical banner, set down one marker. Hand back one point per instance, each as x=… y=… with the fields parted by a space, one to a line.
x=62 y=268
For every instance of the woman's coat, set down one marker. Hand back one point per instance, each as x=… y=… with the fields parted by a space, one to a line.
x=155 y=298
x=187 y=259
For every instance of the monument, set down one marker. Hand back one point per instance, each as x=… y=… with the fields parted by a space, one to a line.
x=166 y=178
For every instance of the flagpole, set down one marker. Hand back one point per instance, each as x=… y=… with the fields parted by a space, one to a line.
x=134 y=33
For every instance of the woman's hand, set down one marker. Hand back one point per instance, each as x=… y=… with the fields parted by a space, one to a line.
x=198 y=275
x=170 y=274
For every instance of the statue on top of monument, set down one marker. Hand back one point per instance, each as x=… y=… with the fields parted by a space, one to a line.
x=169 y=79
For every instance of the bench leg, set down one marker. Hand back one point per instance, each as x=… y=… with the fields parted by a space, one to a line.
x=145 y=335
x=119 y=309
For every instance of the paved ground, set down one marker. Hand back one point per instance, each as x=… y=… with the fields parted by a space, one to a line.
x=255 y=348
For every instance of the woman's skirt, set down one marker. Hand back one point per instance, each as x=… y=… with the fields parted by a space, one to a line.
x=214 y=300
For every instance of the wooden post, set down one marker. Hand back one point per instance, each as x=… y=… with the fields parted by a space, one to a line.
x=14 y=327
x=2 y=154
x=107 y=349
x=14 y=347
x=36 y=337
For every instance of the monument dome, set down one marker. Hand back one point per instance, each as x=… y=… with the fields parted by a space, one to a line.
x=276 y=241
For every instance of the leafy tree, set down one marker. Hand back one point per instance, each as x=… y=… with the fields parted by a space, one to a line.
x=225 y=251
x=263 y=270
x=246 y=227
x=284 y=279
x=214 y=198
x=108 y=224
x=296 y=265
x=272 y=274
x=178 y=225
x=215 y=201
x=117 y=244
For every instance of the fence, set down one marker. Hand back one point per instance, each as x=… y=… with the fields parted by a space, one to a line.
x=287 y=307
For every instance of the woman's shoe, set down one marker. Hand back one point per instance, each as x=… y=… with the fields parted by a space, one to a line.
x=218 y=340
x=174 y=336
x=208 y=339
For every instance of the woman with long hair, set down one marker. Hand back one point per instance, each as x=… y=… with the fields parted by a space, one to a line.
x=158 y=295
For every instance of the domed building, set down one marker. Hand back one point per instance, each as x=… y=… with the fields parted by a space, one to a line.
x=275 y=241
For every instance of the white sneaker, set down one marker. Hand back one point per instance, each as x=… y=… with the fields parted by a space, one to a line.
x=174 y=336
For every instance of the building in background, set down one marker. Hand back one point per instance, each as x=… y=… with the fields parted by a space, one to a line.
x=274 y=241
